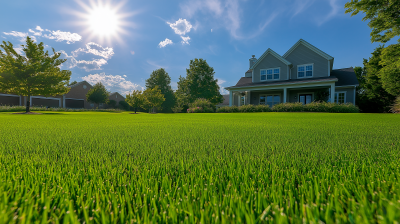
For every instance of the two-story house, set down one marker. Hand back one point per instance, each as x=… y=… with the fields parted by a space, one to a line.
x=294 y=77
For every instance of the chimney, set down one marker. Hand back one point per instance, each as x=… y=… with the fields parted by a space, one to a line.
x=252 y=61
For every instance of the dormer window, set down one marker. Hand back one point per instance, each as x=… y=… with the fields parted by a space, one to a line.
x=305 y=71
x=269 y=74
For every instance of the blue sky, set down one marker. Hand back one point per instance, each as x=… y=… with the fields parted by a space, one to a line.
x=121 y=42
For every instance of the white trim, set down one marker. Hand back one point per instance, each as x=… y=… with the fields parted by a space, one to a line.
x=73 y=99
x=302 y=93
x=305 y=71
x=42 y=97
x=266 y=69
x=284 y=95
x=288 y=73
x=230 y=97
x=252 y=75
x=329 y=68
x=309 y=46
x=345 y=95
x=280 y=86
x=273 y=53
x=338 y=87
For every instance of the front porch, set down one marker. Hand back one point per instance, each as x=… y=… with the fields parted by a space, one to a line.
x=271 y=94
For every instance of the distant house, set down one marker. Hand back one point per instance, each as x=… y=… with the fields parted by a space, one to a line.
x=294 y=77
x=225 y=103
x=75 y=98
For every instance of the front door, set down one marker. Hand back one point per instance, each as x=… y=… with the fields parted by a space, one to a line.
x=305 y=98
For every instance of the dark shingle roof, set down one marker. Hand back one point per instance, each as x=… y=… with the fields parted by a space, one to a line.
x=346 y=77
x=226 y=100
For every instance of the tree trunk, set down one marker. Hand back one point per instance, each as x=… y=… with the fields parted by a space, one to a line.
x=135 y=110
x=28 y=103
x=154 y=110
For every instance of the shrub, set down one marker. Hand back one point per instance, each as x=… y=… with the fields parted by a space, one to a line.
x=201 y=105
x=177 y=109
x=123 y=105
x=288 y=107
x=247 y=108
x=262 y=108
x=223 y=110
x=396 y=106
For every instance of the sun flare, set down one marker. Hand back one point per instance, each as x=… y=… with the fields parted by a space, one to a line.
x=103 y=21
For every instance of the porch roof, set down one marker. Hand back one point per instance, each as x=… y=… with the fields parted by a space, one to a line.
x=247 y=82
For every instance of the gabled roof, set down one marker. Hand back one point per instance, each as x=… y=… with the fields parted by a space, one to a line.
x=247 y=82
x=77 y=84
x=346 y=76
x=116 y=93
x=309 y=46
x=273 y=53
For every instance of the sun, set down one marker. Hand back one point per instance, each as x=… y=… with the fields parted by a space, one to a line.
x=104 y=20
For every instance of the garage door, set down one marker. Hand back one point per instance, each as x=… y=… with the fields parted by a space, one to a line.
x=74 y=103
x=9 y=100
x=42 y=102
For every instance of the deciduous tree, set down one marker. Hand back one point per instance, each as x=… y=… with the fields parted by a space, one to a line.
x=198 y=83
x=384 y=16
x=98 y=94
x=153 y=98
x=136 y=99
x=161 y=79
x=35 y=73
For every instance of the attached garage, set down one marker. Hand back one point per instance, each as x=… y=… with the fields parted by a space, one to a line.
x=74 y=103
x=45 y=102
x=9 y=100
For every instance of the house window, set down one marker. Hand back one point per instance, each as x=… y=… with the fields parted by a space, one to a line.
x=305 y=71
x=242 y=100
x=305 y=98
x=270 y=100
x=269 y=74
x=84 y=86
x=340 y=97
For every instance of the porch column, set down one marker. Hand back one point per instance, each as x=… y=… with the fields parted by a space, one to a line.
x=332 y=92
x=230 y=97
x=284 y=95
x=63 y=101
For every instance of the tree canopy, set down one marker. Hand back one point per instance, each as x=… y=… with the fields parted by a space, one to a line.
x=35 y=73
x=371 y=95
x=136 y=99
x=153 y=98
x=98 y=94
x=161 y=79
x=198 y=83
x=390 y=72
x=384 y=16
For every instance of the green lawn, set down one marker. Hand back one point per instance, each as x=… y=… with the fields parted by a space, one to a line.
x=99 y=167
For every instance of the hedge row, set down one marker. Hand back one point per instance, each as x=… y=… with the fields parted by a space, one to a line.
x=293 y=107
x=23 y=108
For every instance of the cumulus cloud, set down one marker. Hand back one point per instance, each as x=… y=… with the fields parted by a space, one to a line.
x=96 y=49
x=19 y=50
x=50 y=34
x=221 y=89
x=185 y=40
x=114 y=83
x=165 y=43
x=63 y=36
x=88 y=66
x=20 y=35
x=181 y=27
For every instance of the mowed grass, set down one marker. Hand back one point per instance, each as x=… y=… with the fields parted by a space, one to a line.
x=199 y=168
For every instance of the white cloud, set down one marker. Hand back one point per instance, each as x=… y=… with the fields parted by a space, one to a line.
x=335 y=9
x=185 y=40
x=63 y=36
x=106 y=53
x=165 y=43
x=19 y=50
x=72 y=62
x=181 y=26
x=20 y=35
x=221 y=89
x=114 y=83
x=35 y=33
x=39 y=28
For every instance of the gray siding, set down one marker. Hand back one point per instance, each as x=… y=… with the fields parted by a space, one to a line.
x=270 y=62
x=349 y=94
x=303 y=55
